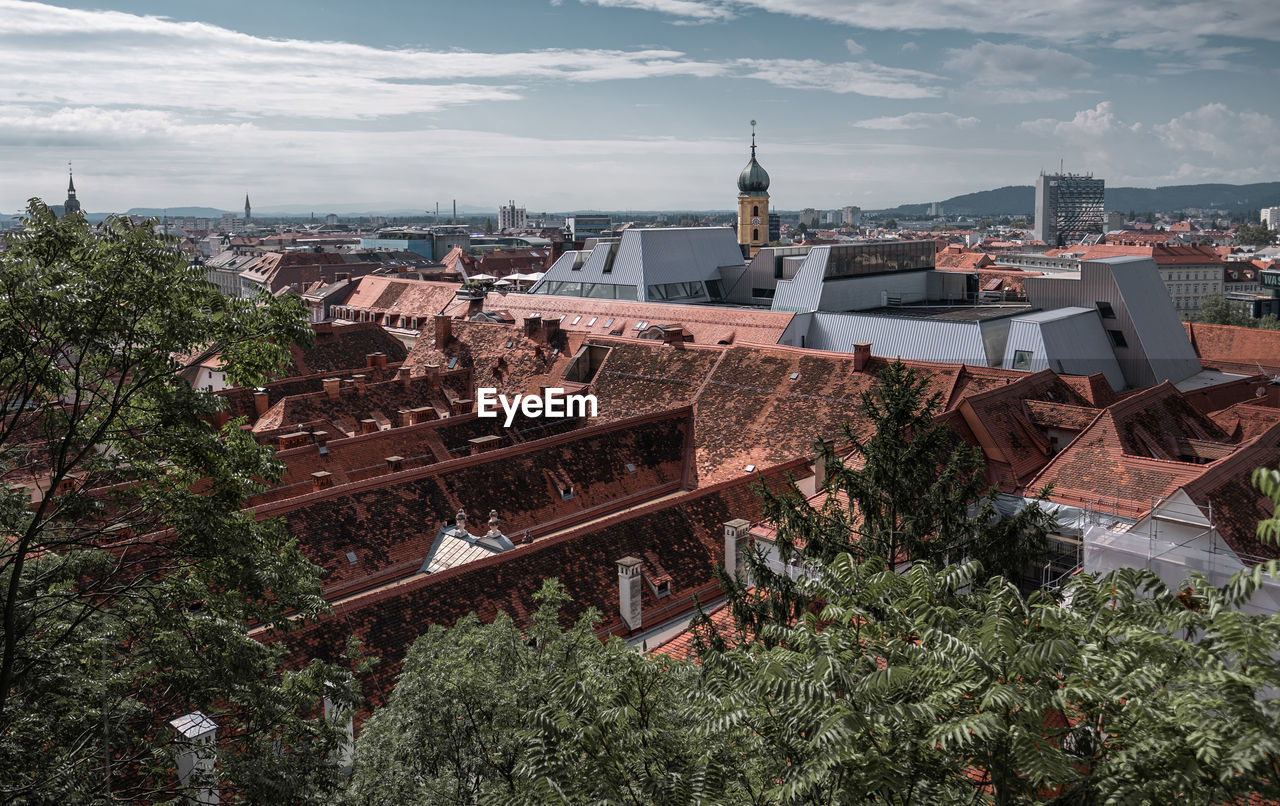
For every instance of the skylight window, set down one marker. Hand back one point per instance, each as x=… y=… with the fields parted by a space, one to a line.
x=576 y=320
x=351 y=557
x=453 y=362
x=510 y=344
x=750 y=468
x=795 y=375
x=631 y=468
x=592 y=322
x=609 y=323
x=641 y=325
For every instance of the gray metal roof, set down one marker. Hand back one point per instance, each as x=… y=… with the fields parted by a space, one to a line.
x=1164 y=339
x=646 y=257
x=915 y=339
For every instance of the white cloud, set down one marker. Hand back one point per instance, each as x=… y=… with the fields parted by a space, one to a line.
x=1160 y=25
x=696 y=10
x=862 y=78
x=854 y=48
x=910 y=47
x=1215 y=130
x=1100 y=121
x=917 y=120
x=1003 y=65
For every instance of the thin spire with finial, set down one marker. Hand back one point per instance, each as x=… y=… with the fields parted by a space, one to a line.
x=71 y=180
x=753 y=139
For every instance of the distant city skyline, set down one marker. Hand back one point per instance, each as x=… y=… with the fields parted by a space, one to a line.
x=624 y=104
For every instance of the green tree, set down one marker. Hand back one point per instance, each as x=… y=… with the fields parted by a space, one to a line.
x=129 y=571
x=485 y=713
x=1217 y=310
x=890 y=223
x=1255 y=235
x=912 y=491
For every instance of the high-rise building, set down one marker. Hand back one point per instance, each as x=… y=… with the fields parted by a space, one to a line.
x=511 y=217
x=753 y=203
x=1271 y=217
x=1068 y=207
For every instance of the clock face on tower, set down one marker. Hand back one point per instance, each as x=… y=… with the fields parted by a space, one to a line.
x=755 y=221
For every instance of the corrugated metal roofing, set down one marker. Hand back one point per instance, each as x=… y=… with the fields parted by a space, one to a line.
x=913 y=339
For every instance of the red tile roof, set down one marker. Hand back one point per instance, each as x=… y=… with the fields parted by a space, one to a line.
x=1137 y=451
x=345 y=346
x=1162 y=254
x=684 y=534
x=1236 y=349
x=390 y=521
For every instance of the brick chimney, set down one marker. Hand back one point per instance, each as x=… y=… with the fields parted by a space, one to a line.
x=321 y=480
x=373 y=360
x=533 y=325
x=737 y=534
x=629 y=591
x=333 y=387
x=673 y=334
x=394 y=463
x=550 y=327
x=404 y=376
x=368 y=426
x=341 y=276
x=861 y=355
x=475 y=303
x=261 y=402
x=320 y=438
x=407 y=417
x=360 y=381
x=444 y=330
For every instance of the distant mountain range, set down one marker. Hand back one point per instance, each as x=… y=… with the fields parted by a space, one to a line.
x=1019 y=199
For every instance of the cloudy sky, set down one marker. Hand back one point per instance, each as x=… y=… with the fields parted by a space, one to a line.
x=625 y=104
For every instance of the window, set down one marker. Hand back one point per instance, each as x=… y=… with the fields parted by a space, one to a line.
x=762 y=293
x=755 y=234
x=1106 y=310
x=755 y=211
x=592 y=323
x=1022 y=360
x=1117 y=338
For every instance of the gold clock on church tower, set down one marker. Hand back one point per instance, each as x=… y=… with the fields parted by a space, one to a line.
x=753 y=203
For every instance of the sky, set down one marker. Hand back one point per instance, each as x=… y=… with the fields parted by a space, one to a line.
x=565 y=105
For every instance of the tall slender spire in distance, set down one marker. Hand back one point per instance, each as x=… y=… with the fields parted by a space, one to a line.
x=753 y=139
x=72 y=204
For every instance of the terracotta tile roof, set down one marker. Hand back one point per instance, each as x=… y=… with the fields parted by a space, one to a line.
x=1226 y=488
x=345 y=346
x=1002 y=422
x=684 y=534
x=1162 y=254
x=1137 y=451
x=357 y=401
x=600 y=317
x=751 y=411
x=1244 y=421
x=420 y=299
x=1095 y=389
x=681 y=645
x=390 y=521
x=1239 y=349
x=499 y=355
x=1061 y=415
x=952 y=259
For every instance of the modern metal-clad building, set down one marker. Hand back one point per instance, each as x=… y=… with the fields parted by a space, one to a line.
x=1068 y=207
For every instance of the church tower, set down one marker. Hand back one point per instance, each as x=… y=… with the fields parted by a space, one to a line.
x=72 y=204
x=753 y=203
x=248 y=219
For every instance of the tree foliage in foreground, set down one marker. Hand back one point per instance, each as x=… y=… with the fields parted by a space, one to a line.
x=903 y=689
x=939 y=686
x=107 y=634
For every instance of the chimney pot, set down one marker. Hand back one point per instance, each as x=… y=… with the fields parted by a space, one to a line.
x=533 y=325
x=261 y=401
x=394 y=463
x=444 y=330
x=629 y=592
x=861 y=356
x=332 y=387
x=404 y=375
x=673 y=334
x=373 y=360
x=368 y=426
x=321 y=480
x=737 y=534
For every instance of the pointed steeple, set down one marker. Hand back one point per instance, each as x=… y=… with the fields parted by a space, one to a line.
x=72 y=204
x=247 y=216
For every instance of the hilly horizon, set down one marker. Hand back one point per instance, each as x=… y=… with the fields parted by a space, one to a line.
x=1020 y=199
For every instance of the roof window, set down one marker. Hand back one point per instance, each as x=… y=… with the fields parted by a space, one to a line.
x=609 y=323
x=351 y=557
x=453 y=362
